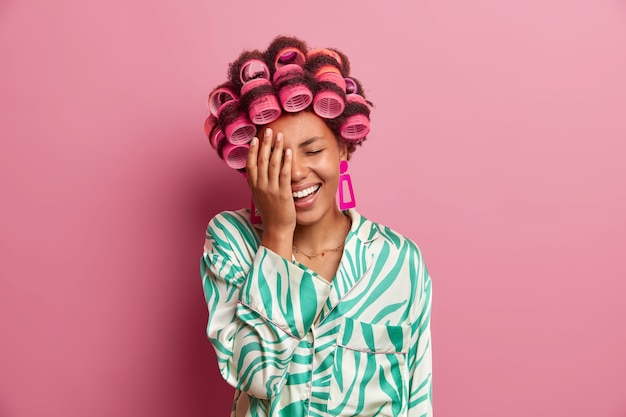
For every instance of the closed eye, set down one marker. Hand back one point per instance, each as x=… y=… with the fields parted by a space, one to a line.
x=315 y=152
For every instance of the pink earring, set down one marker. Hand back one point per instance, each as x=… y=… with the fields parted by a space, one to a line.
x=346 y=193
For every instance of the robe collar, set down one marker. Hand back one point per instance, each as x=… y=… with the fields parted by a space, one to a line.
x=356 y=260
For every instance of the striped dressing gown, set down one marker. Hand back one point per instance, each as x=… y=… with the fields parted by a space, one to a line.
x=293 y=344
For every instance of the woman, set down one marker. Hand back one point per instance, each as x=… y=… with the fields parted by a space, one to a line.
x=313 y=309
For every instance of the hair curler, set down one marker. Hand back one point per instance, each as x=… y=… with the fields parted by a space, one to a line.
x=217 y=139
x=238 y=128
x=357 y=125
x=351 y=86
x=328 y=103
x=240 y=131
x=356 y=98
x=331 y=74
x=264 y=107
x=285 y=77
x=213 y=132
x=289 y=56
x=327 y=52
x=253 y=69
x=293 y=93
x=234 y=155
x=209 y=124
x=219 y=98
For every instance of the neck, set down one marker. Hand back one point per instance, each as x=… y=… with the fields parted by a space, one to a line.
x=322 y=235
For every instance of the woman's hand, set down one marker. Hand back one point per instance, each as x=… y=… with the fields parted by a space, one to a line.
x=269 y=177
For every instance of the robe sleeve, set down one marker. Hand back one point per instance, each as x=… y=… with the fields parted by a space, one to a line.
x=260 y=306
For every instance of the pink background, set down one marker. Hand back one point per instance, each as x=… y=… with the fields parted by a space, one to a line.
x=498 y=145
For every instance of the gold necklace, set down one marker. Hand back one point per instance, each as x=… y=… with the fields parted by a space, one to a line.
x=339 y=247
x=318 y=254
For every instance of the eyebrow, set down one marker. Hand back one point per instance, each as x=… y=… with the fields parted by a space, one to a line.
x=309 y=141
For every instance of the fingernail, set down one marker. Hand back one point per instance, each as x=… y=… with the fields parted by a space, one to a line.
x=268 y=132
x=288 y=152
x=254 y=141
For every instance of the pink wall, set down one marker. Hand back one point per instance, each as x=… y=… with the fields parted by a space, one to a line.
x=498 y=144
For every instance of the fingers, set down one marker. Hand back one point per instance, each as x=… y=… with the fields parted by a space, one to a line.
x=268 y=169
x=285 y=171
x=263 y=157
x=251 y=164
x=256 y=162
x=276 y=160
x=266 y=159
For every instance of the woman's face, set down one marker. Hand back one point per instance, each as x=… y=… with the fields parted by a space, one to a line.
x=315 y=164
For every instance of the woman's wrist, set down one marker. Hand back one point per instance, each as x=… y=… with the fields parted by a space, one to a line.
x=278 y=241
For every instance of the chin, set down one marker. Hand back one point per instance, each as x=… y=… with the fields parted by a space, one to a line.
x=307 y=219
x=312 y=216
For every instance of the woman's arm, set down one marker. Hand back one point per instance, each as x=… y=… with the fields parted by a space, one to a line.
x=260 y=306
x=420 y=356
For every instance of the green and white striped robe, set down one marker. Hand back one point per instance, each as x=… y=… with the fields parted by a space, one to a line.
x=294 y=345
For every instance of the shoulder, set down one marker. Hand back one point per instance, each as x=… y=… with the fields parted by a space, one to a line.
x=231 y=227
x=396 y=260
x=230 y=219
x=375 y=232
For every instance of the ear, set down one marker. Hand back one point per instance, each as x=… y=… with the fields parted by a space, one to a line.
x=343 y=150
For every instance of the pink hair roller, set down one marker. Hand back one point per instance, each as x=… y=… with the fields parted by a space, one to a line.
x=265 y=108
x=289 y=56
x=287 y=72
x=253 y=69
x=355 y=127
x=294 y=97
x=217 y=138
x=351 y=87
x=328 y=104
x=235 y=155
x=325 y=51
x=218 y=98
x=331 y=74
x=240 y=130
x=209 y=124
x=213 y=132
x=356 y=98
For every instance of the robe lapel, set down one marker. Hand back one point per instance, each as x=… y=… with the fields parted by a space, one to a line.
x=356 y=261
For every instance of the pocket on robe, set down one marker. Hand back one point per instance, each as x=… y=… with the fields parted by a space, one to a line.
x=370 y=373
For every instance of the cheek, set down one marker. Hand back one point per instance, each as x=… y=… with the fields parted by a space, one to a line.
x=331 y=173
x=327 y=168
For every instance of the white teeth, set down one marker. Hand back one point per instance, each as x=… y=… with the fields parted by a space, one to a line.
x=305 y=192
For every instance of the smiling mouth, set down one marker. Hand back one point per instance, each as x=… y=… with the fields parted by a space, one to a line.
x=306 y=192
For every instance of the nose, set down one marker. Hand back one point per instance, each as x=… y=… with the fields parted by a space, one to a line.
x=299 y=169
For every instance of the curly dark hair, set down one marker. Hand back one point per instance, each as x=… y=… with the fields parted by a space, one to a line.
x=261 y=86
